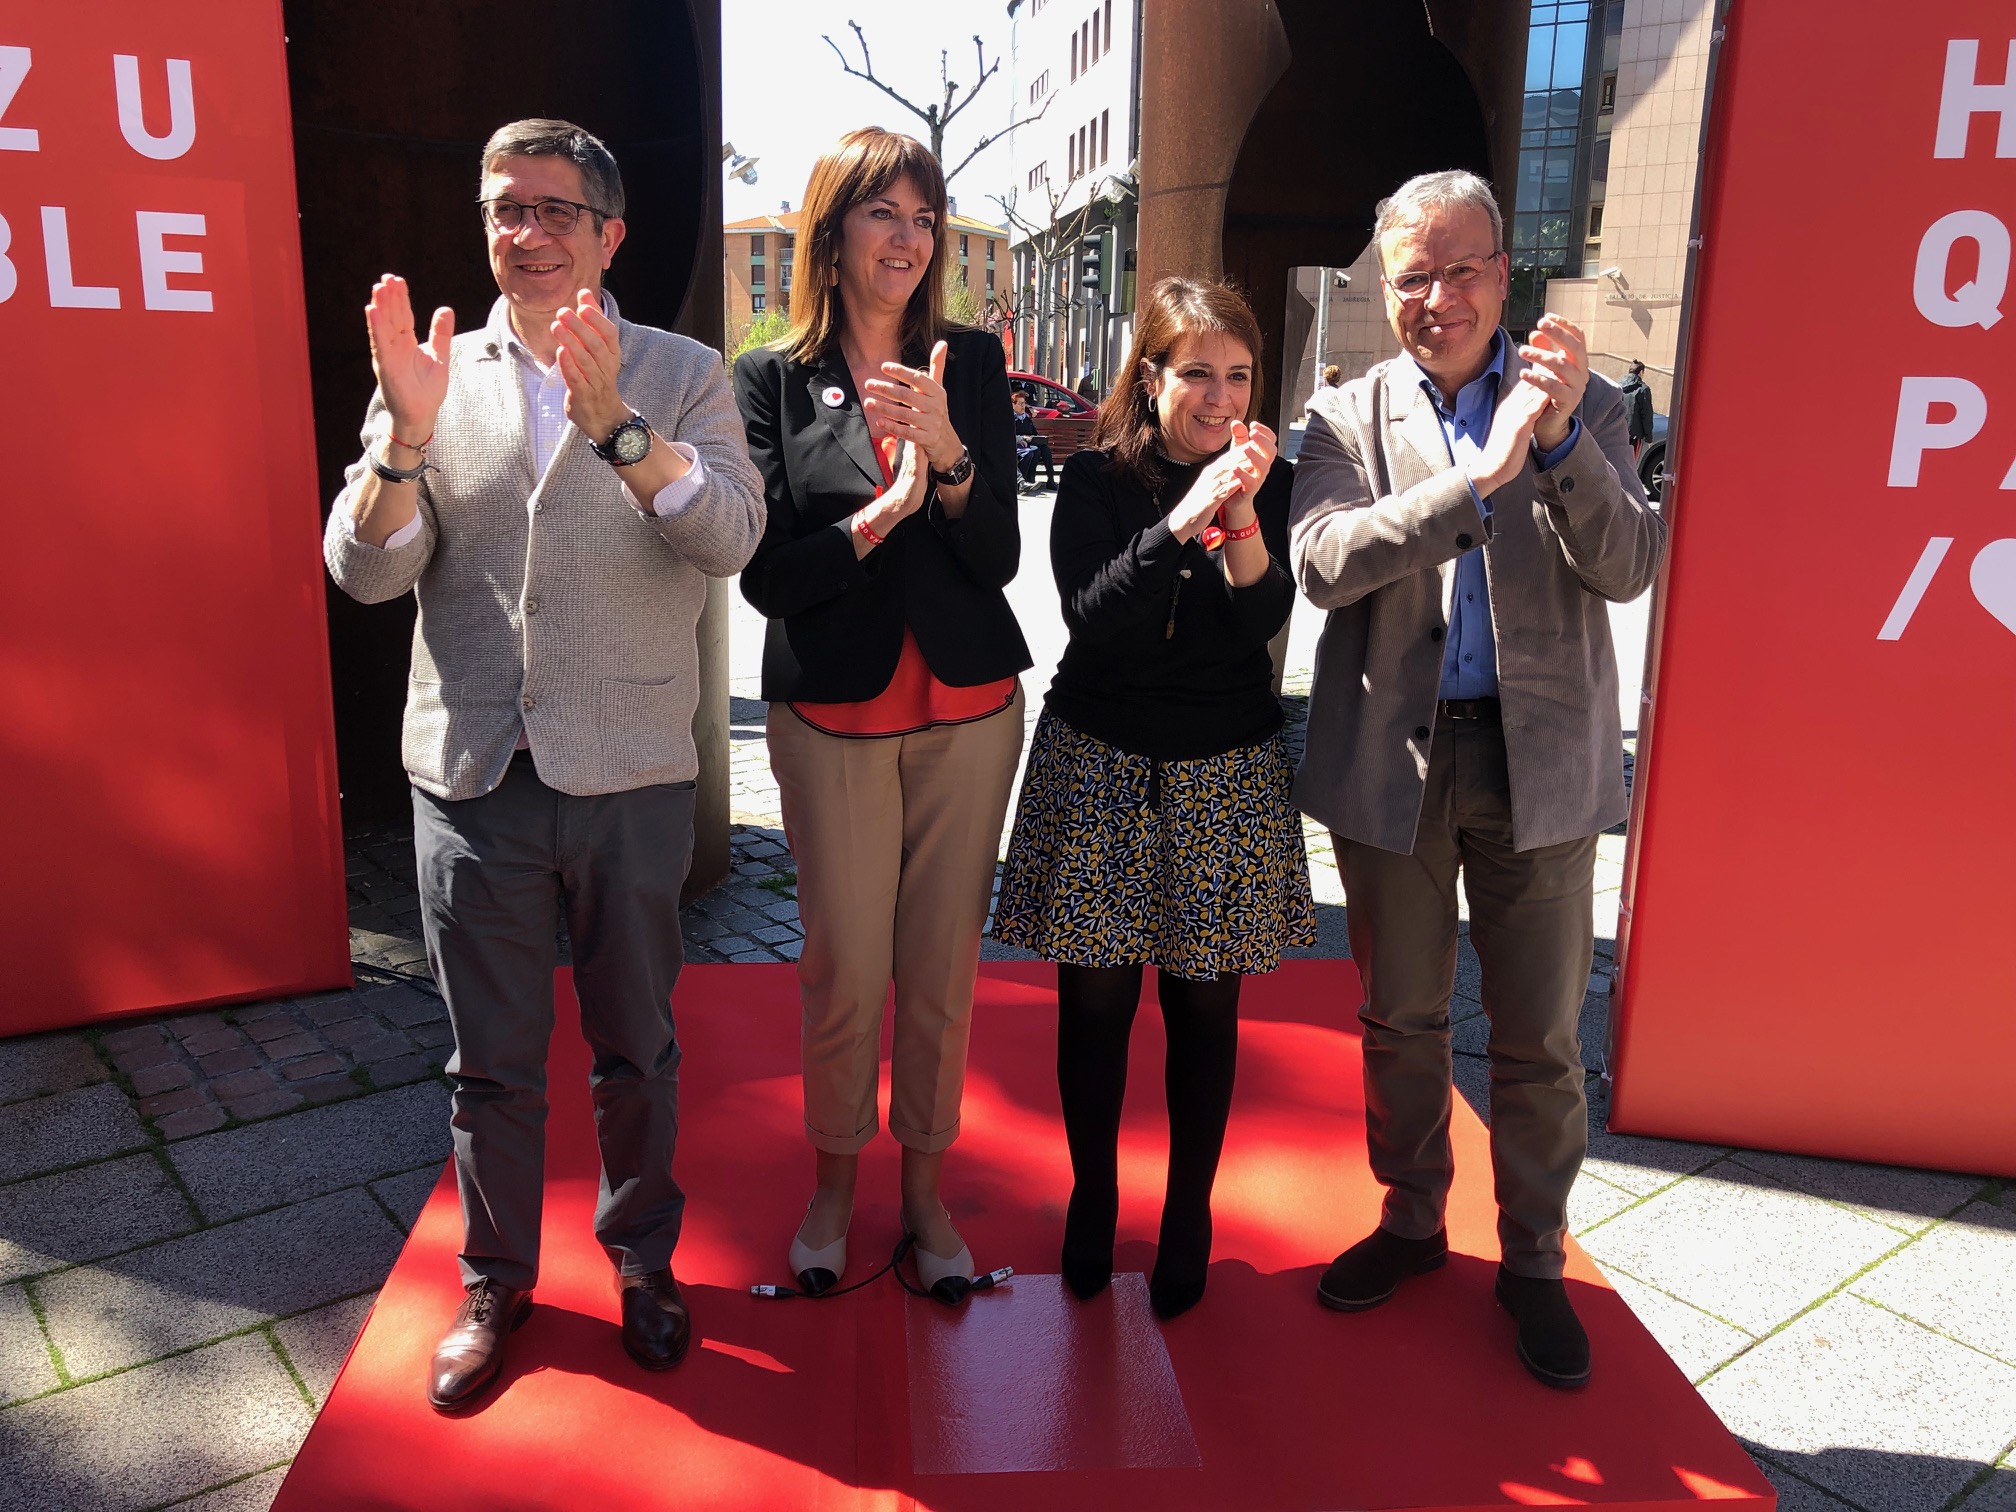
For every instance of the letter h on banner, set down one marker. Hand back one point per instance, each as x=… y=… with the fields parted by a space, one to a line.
x=1962 y=96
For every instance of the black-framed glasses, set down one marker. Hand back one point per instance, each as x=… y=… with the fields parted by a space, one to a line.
x=556 y=217
x=1461 y=274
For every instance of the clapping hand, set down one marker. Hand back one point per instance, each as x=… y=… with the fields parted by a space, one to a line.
x=1557 y=360
x=412 y=378
x=910 y=403
x=1235 y=473
x=591 y=360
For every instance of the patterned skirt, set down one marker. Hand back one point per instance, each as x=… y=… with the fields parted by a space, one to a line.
x=1194 y=867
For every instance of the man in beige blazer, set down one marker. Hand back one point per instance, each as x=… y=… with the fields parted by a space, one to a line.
x=556 y=488
x=1464 y=512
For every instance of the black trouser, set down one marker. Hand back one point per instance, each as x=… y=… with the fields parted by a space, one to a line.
x=1028 y=452
x=495 y=871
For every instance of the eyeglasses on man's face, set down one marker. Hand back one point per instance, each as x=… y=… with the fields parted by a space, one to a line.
x=556 y=217
x=1461 y=274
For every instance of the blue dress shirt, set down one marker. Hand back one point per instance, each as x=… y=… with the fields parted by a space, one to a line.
x=1470 y=655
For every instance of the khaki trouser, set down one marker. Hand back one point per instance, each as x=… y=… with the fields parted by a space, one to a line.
x=895 y=840
x=1530 y=925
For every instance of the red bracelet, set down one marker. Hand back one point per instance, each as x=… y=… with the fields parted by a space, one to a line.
x=418 y=446
x=1243 y=532
x=868 y=535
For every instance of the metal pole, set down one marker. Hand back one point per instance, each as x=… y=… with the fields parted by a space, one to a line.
x=1322 y=325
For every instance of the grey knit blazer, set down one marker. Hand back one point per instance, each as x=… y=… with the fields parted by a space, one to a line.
x=551 y=603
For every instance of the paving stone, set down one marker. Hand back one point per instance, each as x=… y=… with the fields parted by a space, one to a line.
x=328 y=1089
x=754 y=958
x=210 y=1415
x=278 y=1027
x=784 y=912
x=264 y=1104
x=88 y=1213
x=1997 y=1494
x=777 y=934
x=190 y=1122
x=1959 y=1279
x=159 y=1053
x=1886 y=1413
x=334 y=1008
x=224 y=1062
x=1904 y=1198
x=46 y=1063
x=163 y=1103
x=316 y=1151
x=790 y=949
x=121 y=1040
x=355 y=1031
x=150 y=1081
x=241 y=1084
x=319 y=1342
x=407 y=1006
x=432 y=1036
x=1633 y=1162
x=255 y=1493
x=406 y=1195
x=732 y=946
x=1591 y=1201
x=400 y=1070
x=324 y=1064
x=25 y=1367
x=65 y=1129
x=210 y=1041
x=141 y=1305
x=1696 y=1342
x=301 y=1042
x=1738 y=1247
x=1795 y=1495
x=381 y=1047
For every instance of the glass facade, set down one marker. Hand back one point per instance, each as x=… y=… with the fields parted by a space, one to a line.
x=1564 y=147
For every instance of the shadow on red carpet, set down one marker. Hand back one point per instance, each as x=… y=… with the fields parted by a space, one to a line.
x=1257 y=1399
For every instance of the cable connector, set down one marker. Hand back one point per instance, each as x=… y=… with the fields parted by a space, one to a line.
x=780 y=1292
x=993 y=1278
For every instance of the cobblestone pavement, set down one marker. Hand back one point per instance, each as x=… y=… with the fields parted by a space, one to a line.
x=196 y=1211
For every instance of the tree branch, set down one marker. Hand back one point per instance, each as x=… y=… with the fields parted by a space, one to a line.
x=987 y=141
x=869 y=75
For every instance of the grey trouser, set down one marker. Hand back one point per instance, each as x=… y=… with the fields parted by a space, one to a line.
x=495 y=872
x=1530 y=925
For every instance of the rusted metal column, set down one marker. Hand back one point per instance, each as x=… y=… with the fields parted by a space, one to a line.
x=1206 y=66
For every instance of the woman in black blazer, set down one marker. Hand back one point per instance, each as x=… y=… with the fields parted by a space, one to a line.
x=890 y=666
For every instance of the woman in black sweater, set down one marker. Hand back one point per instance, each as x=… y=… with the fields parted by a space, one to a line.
x=1154 y=824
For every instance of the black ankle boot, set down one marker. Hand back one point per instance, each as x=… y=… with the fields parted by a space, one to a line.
x=1551 y=1344
x=1087 y=1261
x=1372 y=1269
x=1182 y=1260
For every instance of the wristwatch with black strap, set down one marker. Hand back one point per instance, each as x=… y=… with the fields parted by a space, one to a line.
x=957 y=473
x=628 y=444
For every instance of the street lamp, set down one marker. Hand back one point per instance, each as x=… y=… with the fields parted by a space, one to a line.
x=739 y=167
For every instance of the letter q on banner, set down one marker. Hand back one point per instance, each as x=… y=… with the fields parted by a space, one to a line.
x=1978 y=301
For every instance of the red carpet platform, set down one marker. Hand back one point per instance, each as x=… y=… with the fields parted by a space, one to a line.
x=1258 y=1399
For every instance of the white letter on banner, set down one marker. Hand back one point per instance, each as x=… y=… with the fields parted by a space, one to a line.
x=1979 y=300
x=64 y=294
x=14 y=63
x=1916 y=433
x=133 y=119
x=157 y=262
x=9 y=279
x=1961 y=98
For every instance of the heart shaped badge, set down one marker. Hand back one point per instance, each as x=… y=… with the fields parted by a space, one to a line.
x=834 y=397
x=1993 y=579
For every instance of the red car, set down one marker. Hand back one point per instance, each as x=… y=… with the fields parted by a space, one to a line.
x=1048 y=400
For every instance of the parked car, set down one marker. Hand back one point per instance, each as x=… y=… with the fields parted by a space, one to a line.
x=1652 y=460
x=1047 y=399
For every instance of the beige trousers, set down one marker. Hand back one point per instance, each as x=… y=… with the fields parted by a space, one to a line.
x=895 y=840
x=1531 y=927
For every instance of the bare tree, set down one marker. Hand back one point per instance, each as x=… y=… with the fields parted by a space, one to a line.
x=938 y=116
x=1053 y=240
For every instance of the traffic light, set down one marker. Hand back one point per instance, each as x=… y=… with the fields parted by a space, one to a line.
x=1090 y=276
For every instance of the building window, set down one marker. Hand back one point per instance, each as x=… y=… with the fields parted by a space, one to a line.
x=1609 y=97
x=756 y=275
x=784 y=270
x=756 y=246
x=1074 y=55
x=1105 y=136
x=990 y=276
x=756 y=303
x=990 y=251
x=962 y=248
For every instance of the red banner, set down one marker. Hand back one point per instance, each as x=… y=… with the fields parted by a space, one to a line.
x=1823 y=871
x=166 y=753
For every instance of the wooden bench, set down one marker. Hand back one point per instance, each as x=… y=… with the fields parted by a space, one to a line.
x=1066 y=434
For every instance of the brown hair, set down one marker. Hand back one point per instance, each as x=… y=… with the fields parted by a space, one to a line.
x=1128 y=426
x=543 y=138
x=1333 y=374
x=860 y=166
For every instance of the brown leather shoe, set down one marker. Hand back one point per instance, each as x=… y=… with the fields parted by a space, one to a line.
x=470 y=1355
x=656 y=1325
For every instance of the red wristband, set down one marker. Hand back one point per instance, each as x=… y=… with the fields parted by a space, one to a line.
x=1243 y=532
x=418 y=446
x=867 y=534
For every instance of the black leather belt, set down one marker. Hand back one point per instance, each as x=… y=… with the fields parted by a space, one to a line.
x=1483 y=709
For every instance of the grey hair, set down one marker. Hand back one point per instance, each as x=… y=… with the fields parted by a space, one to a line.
x=1452 y=189
x=600 y=180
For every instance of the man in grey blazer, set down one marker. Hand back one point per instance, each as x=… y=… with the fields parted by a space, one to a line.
x=1464 y=512
x=556 y=487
